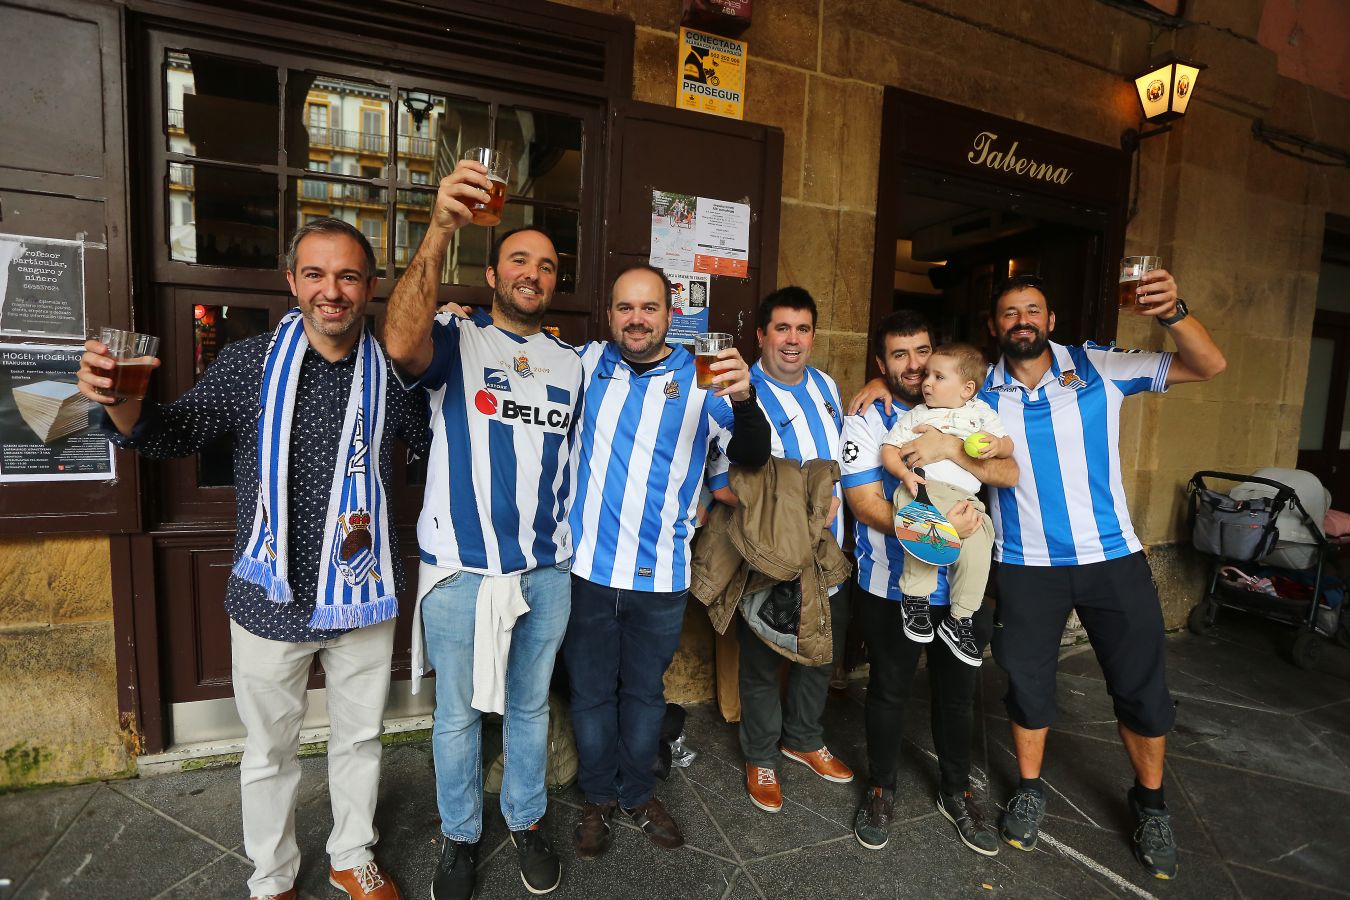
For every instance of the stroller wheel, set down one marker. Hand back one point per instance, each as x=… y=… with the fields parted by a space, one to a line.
x=1306 y=650
x=1202 y=616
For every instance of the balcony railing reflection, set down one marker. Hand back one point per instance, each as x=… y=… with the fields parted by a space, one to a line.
x=175 y=120
x=368 y=142
x=180 y=176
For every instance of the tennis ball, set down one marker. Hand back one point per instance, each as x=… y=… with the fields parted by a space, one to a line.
x=975 y=443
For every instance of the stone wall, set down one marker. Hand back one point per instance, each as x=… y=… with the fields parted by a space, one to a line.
x=58 y=696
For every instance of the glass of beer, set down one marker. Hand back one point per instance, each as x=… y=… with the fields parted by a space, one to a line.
x=1132 y=271
x=706 y=348
x=498 y=164
x=135 y=357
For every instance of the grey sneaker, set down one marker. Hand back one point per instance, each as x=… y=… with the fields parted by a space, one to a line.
x=872 y=822
x=1021 y=822
x=1154 y=844
x=963 y=812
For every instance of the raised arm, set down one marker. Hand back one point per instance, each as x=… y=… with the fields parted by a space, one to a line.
x=412 y=306
x=1198 y=357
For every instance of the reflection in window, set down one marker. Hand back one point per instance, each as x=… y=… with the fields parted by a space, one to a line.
x=547 y=161
x=212 y=328
x=222 y=217
x=220 y=108
x=412 y=212
x=362 y=206
x=336 y=119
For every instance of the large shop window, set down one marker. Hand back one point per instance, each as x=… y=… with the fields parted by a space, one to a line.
x=253 y=151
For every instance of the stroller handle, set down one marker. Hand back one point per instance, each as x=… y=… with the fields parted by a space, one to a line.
x=1283 y=492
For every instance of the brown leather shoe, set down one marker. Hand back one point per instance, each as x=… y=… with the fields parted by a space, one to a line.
x=593 y=834
x=365 y=882
x=657 y=824
x=823 y=763
x=284 y=895
x=763 y=787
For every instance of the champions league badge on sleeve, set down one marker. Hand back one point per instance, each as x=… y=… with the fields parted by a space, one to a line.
x=353 y=556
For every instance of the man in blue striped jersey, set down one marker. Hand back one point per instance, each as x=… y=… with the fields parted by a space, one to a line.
x=805 y=418
x=494 y=589
x=901 y=345
x=1064 y=540
x=644 y=433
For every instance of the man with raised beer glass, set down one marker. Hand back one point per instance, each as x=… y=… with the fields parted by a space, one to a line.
x=316 y=560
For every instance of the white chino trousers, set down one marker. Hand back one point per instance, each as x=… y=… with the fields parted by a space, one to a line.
x=269 y=692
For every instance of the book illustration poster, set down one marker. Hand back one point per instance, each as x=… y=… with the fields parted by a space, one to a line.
x=46 y=425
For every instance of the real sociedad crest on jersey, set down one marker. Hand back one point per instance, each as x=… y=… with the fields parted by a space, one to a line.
x=522 y=365
x=355 y=560
x=672 y=390
x=1071 y=380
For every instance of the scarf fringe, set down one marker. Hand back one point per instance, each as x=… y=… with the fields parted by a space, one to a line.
x=356 y=615
x=255 y=571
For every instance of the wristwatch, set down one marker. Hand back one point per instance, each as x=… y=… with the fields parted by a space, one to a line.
x=1182 y=312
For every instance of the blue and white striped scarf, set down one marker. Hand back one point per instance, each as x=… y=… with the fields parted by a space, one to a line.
x=356 y=581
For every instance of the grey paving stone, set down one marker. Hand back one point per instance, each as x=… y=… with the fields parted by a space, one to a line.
x=1262 y=676
x=45 y=814
x=1271 y=823
x=205 y=800
x=1107 y=857
x=1330 y=725
x=225 y=878
x=117 y=847
x=1256 y=885
x=922 y=860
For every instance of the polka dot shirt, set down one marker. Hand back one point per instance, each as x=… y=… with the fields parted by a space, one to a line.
x=225 y=402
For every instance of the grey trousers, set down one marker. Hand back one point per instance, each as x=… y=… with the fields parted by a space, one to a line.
x=765 y=718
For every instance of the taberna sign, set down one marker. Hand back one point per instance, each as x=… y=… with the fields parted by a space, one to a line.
x=986 y=151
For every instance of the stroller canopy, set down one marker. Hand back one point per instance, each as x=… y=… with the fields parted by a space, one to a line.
x=1299 y=535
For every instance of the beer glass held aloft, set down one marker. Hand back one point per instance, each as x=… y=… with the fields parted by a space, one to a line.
x=498 y=165
x=706 y=348
x=134 y=355
x=1132 y=271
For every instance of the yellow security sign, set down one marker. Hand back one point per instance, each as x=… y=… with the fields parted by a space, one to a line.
x=712 y=74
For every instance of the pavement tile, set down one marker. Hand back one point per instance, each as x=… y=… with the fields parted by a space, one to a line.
x=116 y=842
x=226 y=878
x=46 y=815
x=1271 y=823
x=1273 y=743
x=923 y=859
x=1274 y=683
x=1331 y=726
x=205 y=800
x=1265 y=886
x=1108 y=858
x=1086 y=777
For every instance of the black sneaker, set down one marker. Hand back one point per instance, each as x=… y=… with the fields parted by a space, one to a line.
x=1154 y=844
x=963 y=812
x=917 y=616
x=539 y=866
x=1021 y=823
x=455 y=872
x=959 y=634
x=872 y=822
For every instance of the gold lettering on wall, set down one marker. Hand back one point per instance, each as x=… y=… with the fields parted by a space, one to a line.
x=982 y=153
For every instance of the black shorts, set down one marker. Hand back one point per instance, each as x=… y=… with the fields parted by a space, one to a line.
x=1118 y=605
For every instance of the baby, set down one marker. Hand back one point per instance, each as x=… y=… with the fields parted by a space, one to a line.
x=955 y=372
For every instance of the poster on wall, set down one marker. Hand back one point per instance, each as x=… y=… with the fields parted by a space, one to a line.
x=46 y=425
x=689 y=295
x=41 y=286
x=711 y=74
x=700 y=234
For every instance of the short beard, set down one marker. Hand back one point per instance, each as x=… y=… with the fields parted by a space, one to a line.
x=504 y=302
x=898 y=389
x=653 y=351
x=1023 y=350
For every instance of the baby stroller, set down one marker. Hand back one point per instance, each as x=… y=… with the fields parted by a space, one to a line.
x=1271 y=521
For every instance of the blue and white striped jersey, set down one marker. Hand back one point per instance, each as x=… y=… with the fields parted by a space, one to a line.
x=806 y=420
x=642 y=445
x=499 y=485
x=1068 y=507
x=880 y=557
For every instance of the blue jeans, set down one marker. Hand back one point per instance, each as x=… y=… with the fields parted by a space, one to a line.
x=457 y=735
x=618 y=646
